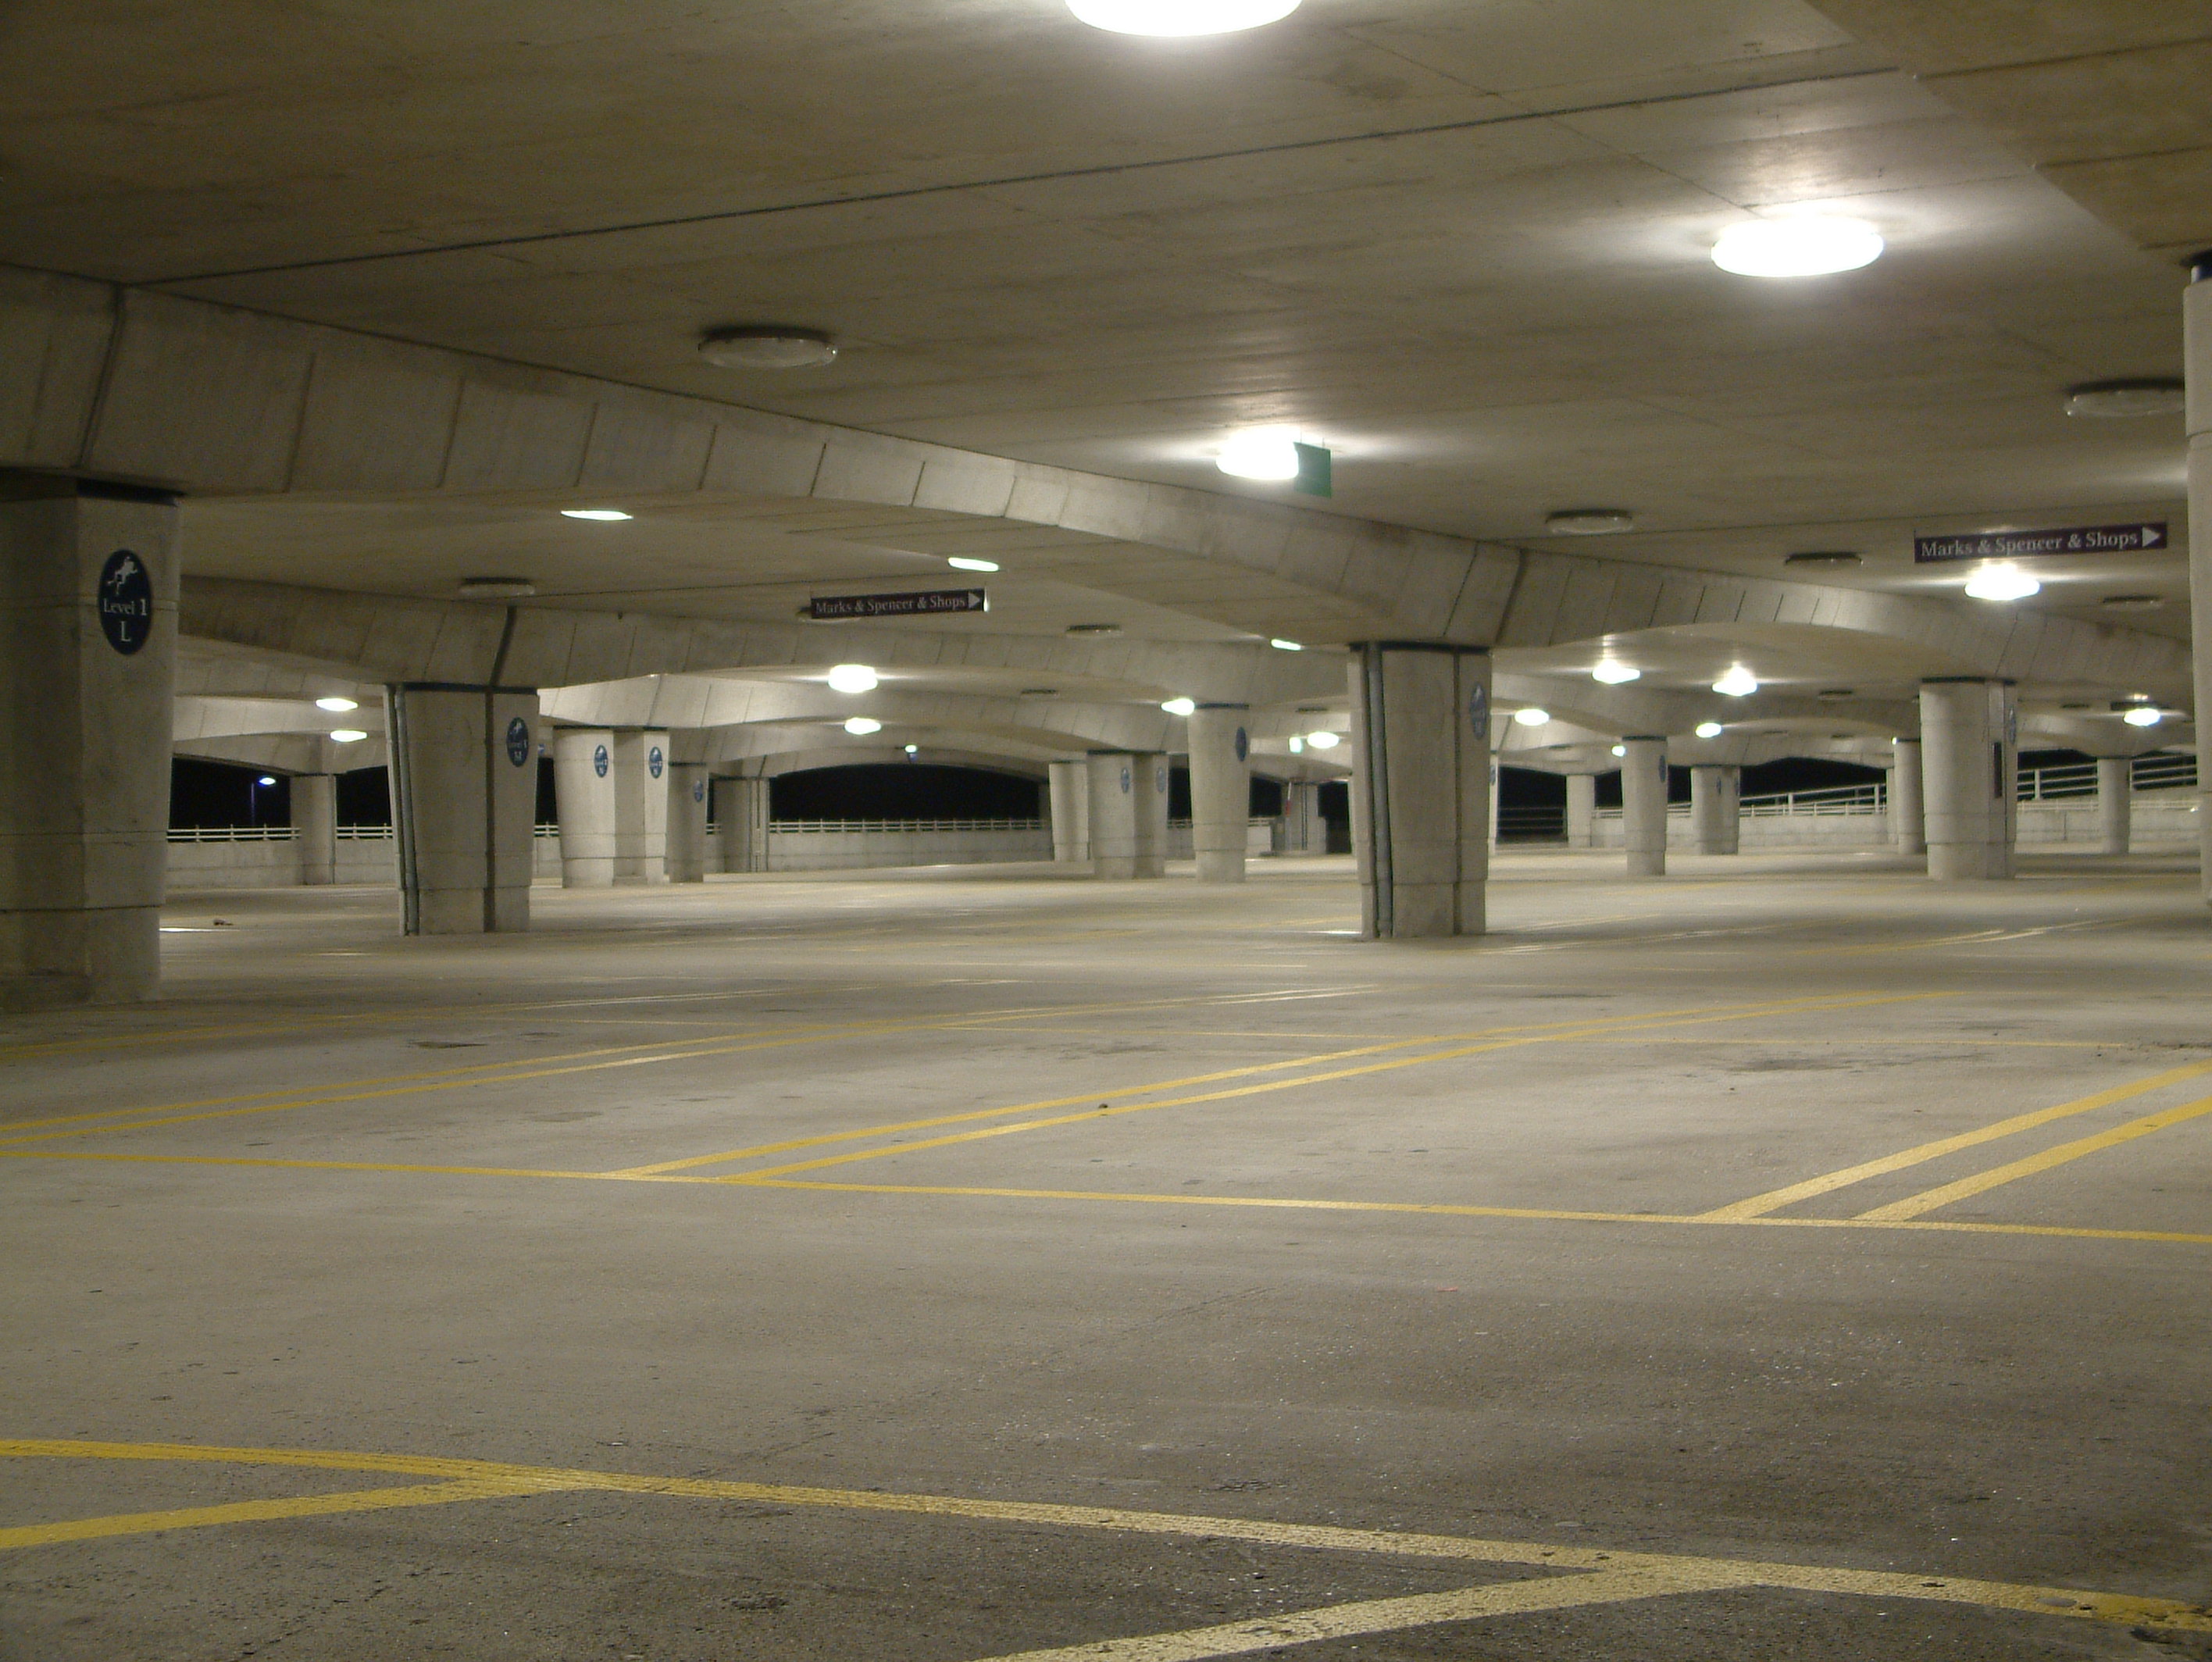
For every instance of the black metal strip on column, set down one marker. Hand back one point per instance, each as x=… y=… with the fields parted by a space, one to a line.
x=402 y=806
x=1374 y=762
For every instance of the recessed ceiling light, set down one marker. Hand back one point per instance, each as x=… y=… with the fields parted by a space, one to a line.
x=1809 y=247
x=1612 y=674
x=860 y=726
x=1589 y=522
x=1180 y=706
x=961 y=562
x=1709 y=730
x=497 y=588
x=2001 y=583
x=1282 y=646
x=1093 y=628
x=1532 y=716
x=1180 y=17
x=767 y=345
x=337 y=705
x=2144 y=715
x=1324 y=741
x=1262 y=452
x=913 y=749
x=1736 y=681
x=1823 y=557
x=1620 y=749
x=593 y=513
x=2132 y=602
x=2147 y=395
x=1297 y=745
x=851 y=678
x=347 y=735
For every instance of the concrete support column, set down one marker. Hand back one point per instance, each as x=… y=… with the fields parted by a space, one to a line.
x=315 y=827
x=1129 y=813
x=1068 y=785
x=465 y=797
x=1968 y=757
x=1716 y=807
x=641 y=768
x=741 y=823
x=1582 y=810
x=1908 y=826
x=1644 y=804
x=2196 y=358
x=1420 y=793
x=1220 y=790
x=1305 y=831
x=88 y=675
x=2115 y=802
x=584 y=798
x=687 y=821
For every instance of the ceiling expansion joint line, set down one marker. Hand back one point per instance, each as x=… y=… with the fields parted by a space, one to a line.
x=1102 y=171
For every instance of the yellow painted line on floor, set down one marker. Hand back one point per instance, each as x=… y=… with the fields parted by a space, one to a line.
x=1774 y=1199
x=1979 y=937
x=1732 y=1572
x=499 y=1073
x=1983 y=1182
x=1454 y=1054
x=1373 y=1616
x=257 y=1511
x=330 y=1165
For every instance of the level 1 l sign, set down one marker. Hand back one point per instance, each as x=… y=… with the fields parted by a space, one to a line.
x=2065 y=539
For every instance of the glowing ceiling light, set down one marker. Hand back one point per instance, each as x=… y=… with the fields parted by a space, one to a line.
x=1532 y=716
x=347 y=735
x=335 y=704
x=1297 y=745
x=961 y=562
x=851 y=678
x=1808 y=247
x=1709 y=729
x=2144 y=715
x=1263 y=452
x=1287 y=646
x=1737 y=683
x=593 y=513
x=266 y=779
x=1612 y=674
x=1180 y=706
x=1620 y=749
x=1322 y=740
x=860 y=726
x=1180 y=16
x=913 y=749
x=2001 y=583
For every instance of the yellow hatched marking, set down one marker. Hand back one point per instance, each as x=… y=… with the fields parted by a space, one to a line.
x=496 y=1479
x=1929 y=1200
x=1774 y=1199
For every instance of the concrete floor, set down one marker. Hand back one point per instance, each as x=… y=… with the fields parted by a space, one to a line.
x=1376 y=1239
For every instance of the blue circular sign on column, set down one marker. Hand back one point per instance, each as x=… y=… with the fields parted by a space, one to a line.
x=698 y=790
x=653 y=762
x=599 y=761
x=1160 y=776
x=126 y=602
x=518 y=741
x=1243 y=745
x=1124 y=781
x=1477 y=710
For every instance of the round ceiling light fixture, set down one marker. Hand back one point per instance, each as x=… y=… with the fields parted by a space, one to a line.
x=1532 y=716
x=1810 y=247
x=861 y=726
x=1180 y=17
x=852 y=678
x=1837 y=557
x=1180 y=706
x=2141 y=395
x=1589 y=522
x=335 y=704
x=2001 y=582
x=961 y=562
x=496 y=588
x=1620 y=749
x=2143 y=715
x=1324 y=741
x=1282 y=646
x=347 y=735
x=1709 y=729
x=609 y=514
x=1612 y=674
x=767 y=345
x=1736 y=681
x=1268 y=453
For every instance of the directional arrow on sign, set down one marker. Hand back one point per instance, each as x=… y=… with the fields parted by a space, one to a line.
x=2153 y=537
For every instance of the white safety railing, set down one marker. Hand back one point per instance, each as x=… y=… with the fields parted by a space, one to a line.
x=364 y=833
x=230 y=833
x=788 y=828
x=1185 y=825
x=2079 y=779
x=1873 y=798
